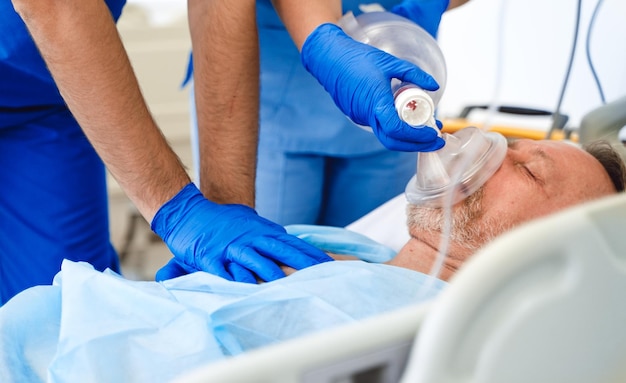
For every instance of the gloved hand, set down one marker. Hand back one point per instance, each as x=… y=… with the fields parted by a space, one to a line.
x=231 y=241
x=425 y=13
x=173 y=269
x=358 y=77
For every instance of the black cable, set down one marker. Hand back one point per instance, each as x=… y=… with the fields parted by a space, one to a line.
x=556 y=117
x=588 y=51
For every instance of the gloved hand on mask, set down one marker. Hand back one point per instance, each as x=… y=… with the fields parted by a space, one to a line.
x=231 y=241
x=358 y=77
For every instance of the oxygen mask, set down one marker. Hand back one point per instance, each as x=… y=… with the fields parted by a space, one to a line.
x=449 y=175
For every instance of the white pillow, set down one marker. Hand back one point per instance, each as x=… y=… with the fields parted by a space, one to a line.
x=385 y=224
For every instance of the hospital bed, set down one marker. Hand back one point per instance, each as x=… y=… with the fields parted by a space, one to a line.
x=518 y=125
x=542 y=303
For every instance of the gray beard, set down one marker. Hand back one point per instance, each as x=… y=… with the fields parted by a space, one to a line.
x=468 y=229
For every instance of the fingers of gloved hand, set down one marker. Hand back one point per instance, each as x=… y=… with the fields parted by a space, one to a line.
x=173 y=269
x=402 y=146
x=206 y=261
x=395 y=134
x=297 y=253
x=249 y=258
x=263 y=257
x=392 y=143
x=240 y=274
x=439 y=124
x=409 y=72
x=388 y=120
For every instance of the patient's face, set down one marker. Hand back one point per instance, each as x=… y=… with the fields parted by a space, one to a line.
x=541 y=177
x=536 y=178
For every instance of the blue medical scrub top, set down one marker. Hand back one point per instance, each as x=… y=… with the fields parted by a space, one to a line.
x=26 y=86
x=297 y=114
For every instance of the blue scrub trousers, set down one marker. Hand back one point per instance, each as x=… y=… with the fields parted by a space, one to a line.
x=53 y=200
x=301 y=188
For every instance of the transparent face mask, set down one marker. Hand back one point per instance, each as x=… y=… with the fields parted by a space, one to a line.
x=449 y=175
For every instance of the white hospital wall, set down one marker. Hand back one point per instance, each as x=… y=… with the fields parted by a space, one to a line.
x=537 y=37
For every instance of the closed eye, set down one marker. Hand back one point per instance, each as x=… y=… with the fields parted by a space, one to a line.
x=531 y=174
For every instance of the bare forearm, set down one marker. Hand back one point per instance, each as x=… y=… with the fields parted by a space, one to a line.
x=226 y=81
x=83 y=51
x=301 y=17
x=456 y=3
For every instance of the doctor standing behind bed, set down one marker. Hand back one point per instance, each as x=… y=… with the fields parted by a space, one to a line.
x=315 y=166
x=84 y=54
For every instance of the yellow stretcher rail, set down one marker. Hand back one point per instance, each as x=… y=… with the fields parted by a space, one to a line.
x=451 y=125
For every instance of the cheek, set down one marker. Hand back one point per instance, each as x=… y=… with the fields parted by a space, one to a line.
x=517 y=207
x=509 y=211
x=509 y=203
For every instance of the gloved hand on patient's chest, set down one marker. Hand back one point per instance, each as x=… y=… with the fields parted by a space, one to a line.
x=425 y=13
x=358 y=77
x=231 y=241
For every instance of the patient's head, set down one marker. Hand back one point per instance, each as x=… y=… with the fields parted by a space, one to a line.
x=536 y=178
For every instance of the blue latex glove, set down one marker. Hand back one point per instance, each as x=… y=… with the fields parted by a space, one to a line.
x=358 y=77
x=425 y=13
x=231 y=241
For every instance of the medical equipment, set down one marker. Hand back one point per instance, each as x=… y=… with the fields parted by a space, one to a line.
x=470 y=156
x=358 y=76
x=542 y=303
x=592 y=67
x=605 y=122
x=406 y=40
